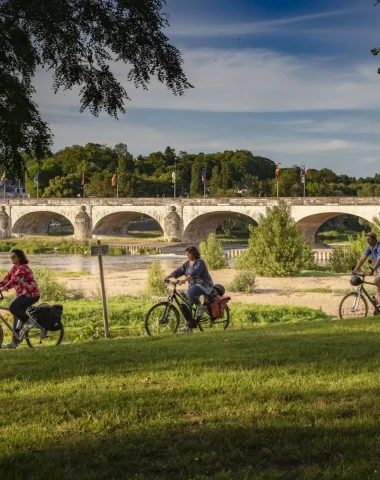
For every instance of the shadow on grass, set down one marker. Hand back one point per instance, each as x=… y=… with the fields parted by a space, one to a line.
x=316 y=343
x=196 y=450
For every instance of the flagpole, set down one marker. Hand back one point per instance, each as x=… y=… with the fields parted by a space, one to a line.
x=304 y=183
x=38 y=182
x=4 y=183
x=117 y=182
x=175 y=177
x=84 y=181
x=204 y=184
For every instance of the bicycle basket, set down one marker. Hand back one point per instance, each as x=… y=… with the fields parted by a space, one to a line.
x=356 y=280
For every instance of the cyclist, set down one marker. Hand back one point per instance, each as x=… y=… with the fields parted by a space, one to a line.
x=372 y=250
x=21 y=278
x=200 y=282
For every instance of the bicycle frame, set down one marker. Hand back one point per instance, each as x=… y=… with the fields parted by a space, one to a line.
x=16 y=335
x=174 y=297
x=361 y=289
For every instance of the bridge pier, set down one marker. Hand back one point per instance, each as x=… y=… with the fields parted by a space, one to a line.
x=5 y=224
x=309 y=232
x=172 y=225
x=82 y=226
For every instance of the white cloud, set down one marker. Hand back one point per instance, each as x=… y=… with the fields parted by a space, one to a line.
x=258 y=81
x=249 y=81
x=250 y=28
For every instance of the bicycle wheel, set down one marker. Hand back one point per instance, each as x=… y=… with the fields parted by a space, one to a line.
x=162 y=319
x=209 y=323
x=35 y=337
x=353 y=306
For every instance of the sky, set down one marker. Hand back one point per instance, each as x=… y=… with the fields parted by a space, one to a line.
x=293 y=81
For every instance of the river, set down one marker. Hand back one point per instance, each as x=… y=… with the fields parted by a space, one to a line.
x=83 y=263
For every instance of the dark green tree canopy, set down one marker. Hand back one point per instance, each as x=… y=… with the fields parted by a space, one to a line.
x=77 y=40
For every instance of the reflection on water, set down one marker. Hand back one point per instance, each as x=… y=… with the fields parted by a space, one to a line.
x=84 y=263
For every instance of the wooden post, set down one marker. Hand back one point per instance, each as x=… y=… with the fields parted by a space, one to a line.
x=102 y=285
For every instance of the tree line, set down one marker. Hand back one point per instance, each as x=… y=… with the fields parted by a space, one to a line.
x=228 y=173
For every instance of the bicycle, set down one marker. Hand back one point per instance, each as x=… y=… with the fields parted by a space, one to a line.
x=31 y=331
x=354 y=304
x=164 y=317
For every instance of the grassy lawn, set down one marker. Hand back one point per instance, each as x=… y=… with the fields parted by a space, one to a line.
x=277 y=401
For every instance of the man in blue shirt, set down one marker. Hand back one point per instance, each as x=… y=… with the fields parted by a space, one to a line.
x=372 y=250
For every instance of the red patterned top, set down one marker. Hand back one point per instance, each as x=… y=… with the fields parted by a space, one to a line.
x=21 y=278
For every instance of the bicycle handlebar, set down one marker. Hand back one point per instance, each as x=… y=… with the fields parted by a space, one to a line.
x=172 y=283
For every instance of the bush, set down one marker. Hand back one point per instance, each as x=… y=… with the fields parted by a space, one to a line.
x=91 y=331
x=244 y=281
x=51 y=289
x=212 y=253
x=343 y=259
x=276 y=247
x=155 y=279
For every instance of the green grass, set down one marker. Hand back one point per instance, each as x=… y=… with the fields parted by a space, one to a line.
x=71 y=274
x=154 y=234
x=319 y=272
x=279 y=401
x=334 y=237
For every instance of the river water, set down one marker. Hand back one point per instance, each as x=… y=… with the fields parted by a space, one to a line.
x=84 y=263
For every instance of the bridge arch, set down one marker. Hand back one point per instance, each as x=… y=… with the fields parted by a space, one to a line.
x=116 y=224
x=201 y=226
x=37 y=223
x=310 y=224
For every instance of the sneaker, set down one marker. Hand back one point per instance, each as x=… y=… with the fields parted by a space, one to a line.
x=186 y=330
x=201 y=310
x=26 y=327
x=10 y=345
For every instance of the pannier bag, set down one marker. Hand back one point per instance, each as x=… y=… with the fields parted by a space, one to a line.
x=218 y=306
x=48 y=316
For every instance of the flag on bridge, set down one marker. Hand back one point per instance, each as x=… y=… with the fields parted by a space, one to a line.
x=114 y=179
x=203 y=176
x=83 y=183
x=2 y=179
x=303 y=174
x=277 y=172
x=174 y=175
x=35 y=180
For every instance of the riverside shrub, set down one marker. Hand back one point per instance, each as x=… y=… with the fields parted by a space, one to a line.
x=342 y=260
x=155 y=279
x=276 y=248
x=212 y=253
x=244 y=281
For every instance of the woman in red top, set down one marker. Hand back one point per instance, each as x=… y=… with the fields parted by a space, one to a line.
x=21 y=278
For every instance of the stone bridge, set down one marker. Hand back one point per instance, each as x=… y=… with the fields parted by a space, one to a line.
x=188 y=220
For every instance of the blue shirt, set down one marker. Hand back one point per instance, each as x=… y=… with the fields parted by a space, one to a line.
x=198 y=272
x=375 y=252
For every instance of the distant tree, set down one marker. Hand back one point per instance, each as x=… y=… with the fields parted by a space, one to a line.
x=195 y=185
x=63 y=187
x=225 y=176
x=252 y=184
x=214 y=183
x=77 y=40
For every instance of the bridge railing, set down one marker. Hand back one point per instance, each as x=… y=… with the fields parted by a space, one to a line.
x=321 y=257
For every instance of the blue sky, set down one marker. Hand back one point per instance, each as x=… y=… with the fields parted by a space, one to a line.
x=294 y=81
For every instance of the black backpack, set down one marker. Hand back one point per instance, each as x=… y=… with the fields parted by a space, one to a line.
x=48 y=316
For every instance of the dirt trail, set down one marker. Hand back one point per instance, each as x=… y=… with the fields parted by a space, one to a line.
x=272 y=291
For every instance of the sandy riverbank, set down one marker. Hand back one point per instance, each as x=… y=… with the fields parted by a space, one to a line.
x=272 y=291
